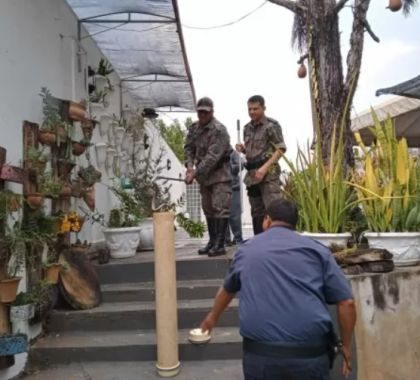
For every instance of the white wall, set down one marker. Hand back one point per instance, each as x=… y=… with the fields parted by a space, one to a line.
x=38 y=47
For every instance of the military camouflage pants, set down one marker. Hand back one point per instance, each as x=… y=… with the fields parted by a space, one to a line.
x=262 y=194
x=215 y=199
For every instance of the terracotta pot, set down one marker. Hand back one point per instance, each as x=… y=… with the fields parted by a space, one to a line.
x=87 y=127
x=77 y=111
x=78 y=148
x=66 y=191
x=64 y=168
x=34 y=200
x=52 y=271
x=8 y=289
x=47 y=137
x=89 y=198
x=77 y=188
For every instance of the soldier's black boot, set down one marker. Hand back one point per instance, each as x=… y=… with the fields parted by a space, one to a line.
x=219 y=247
x=257 y=224
x=212 y=237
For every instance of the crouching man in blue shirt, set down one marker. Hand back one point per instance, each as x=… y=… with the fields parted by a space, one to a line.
x=286 y=282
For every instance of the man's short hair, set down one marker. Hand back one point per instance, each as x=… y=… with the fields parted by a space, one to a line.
x=257 y=99
x=283 y=210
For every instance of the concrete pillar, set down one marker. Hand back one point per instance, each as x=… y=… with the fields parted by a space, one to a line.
x=168 y=364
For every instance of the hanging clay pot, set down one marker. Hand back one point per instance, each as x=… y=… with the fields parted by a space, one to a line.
x=34 y=200
x=78 y=148
x=47 y=137
x=395 y=5
x=77 y=188
x=87 y=127
x=89 y=198
x=302 y=71
x=64 y=168
x=8 y=289
x=77 y=111
x=66 y=190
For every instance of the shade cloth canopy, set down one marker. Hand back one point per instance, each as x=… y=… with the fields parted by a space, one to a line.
x=143 y=41
x=405 y=113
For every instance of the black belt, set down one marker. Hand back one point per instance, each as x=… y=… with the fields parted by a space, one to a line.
x=256 y=164
x=273 y=350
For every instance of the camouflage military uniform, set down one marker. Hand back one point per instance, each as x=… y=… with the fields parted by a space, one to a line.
x=260 y=142
x=208 y=148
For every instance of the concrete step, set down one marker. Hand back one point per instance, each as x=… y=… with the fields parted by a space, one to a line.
x=131 y=345
x=111 y=370
x=139 y=269
x=145 y=291
x=136 y=315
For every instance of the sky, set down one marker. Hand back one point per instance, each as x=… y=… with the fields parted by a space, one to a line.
x=255 y=56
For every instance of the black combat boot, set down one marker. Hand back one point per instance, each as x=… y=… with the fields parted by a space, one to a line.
x=219 y=247
x=212 y=237
x=257 y=224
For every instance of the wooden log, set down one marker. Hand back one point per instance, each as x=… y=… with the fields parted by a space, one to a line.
x=79 y=282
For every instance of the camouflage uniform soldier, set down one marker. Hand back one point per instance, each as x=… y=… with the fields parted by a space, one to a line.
x=263 y=146
x=207 y=148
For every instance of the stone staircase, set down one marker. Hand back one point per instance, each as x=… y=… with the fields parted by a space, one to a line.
x=122 y=328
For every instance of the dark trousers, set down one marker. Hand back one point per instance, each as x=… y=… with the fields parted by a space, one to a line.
x=235 y=219
x=258 y=367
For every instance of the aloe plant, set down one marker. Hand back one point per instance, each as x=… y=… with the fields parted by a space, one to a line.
x=387 y=185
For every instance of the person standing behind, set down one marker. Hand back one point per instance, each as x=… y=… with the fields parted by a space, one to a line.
x=207 y=159
x=235 y=220
x=263 y=146
x=286 y=282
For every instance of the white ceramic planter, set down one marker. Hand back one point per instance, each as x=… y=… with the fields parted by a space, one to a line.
x=146 y=235
x=104 y=125
x=100 y=83
x=96 y=110
x=122 y=242
x=329 y=239
x=405 y=246
x=100 y=149
x=22 y=313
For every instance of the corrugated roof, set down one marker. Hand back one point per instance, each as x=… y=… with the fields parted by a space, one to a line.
x=410 y=88
x=405 y=113
x=142 y=39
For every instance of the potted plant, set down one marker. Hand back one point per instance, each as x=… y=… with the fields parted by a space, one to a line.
x=22 y=309
x=54 y=130
x=388 y=189
x=323 y=197
x=122 y=232
x=49 y=186
x=102 y=81
x=79 y=147
x=89 y=175
x=36 y=159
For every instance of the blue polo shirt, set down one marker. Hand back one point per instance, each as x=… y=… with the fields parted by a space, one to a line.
x=286 y=281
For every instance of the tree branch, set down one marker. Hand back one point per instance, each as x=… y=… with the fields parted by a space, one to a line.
x=354 y=56
x=302 y=58
x=289 y=4
x=370 y=31
x=340 y=5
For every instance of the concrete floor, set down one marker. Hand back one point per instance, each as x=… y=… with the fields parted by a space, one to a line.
x=200 y=370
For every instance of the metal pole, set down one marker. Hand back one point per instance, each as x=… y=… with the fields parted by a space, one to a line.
x=238 y=136
x=168 y=364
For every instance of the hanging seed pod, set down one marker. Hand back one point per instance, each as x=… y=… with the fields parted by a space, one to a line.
x=395 y=5
x=302 y=71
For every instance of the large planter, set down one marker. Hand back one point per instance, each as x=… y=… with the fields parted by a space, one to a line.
x=329 y=239
x=22 y=312
x=405 y=246
x=122 y=242
x=8 y=289
x=146 y=235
